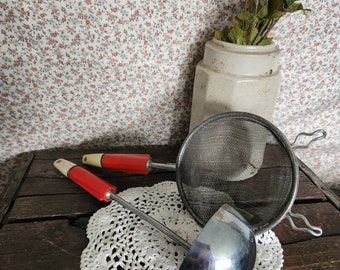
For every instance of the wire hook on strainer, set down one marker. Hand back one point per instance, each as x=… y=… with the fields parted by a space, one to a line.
x=319 y=134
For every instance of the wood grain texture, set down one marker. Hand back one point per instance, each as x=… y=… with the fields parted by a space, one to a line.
x=53 y=206
x=45 y=227
x=16 y=168
x=307 y=191
x=41 y=245
x=315 y=254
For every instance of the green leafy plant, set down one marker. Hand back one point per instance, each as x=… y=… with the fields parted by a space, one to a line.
x=252 y=25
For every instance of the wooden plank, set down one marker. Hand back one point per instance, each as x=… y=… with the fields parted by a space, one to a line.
x=315 y=254
x=46 y=169
x=324 y=215
x=308 y=191
x=43 y=165
x=12 y=173
x=46 y=194
x=331 y=195
x=48 y=186
x=159 y=152
x=41 y=245
x=43 y=186
x=53 y=206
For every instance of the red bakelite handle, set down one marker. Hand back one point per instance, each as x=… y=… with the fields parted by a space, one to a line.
x=135 y=163
x=87 y=180
x=132 y=163
x=91 y=183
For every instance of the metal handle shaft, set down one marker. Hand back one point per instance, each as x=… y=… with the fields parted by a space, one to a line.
x=163 y=166
x=159 y=226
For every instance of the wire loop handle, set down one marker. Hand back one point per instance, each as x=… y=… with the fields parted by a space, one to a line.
x=319 y=133
x=313 y=230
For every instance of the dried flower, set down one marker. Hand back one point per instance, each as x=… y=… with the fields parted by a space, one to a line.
x=252 y=25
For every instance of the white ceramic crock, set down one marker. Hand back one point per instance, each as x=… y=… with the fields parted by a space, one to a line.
x=235 y=78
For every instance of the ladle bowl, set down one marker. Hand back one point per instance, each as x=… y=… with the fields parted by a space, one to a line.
x=226 y=242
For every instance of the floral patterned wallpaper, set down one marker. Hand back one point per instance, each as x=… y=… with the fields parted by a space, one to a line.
x=94 y=72
x=310 y=89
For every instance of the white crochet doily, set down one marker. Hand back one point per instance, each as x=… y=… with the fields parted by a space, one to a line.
x=119 y=239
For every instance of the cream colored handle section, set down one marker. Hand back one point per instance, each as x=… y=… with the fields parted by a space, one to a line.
x=64 y=166
x=93 y=159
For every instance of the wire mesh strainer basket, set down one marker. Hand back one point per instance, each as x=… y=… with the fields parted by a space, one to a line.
x=242 y=160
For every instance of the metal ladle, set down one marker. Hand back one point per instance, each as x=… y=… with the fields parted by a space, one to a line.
x=225 y=242
x=235 y=248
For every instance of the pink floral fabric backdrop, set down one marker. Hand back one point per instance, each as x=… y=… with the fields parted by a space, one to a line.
x=94 y=72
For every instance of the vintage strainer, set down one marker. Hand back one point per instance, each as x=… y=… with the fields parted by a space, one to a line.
x=243 y=160
x=233 y=158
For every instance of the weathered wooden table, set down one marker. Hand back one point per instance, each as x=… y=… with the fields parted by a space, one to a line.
x=43 y=216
